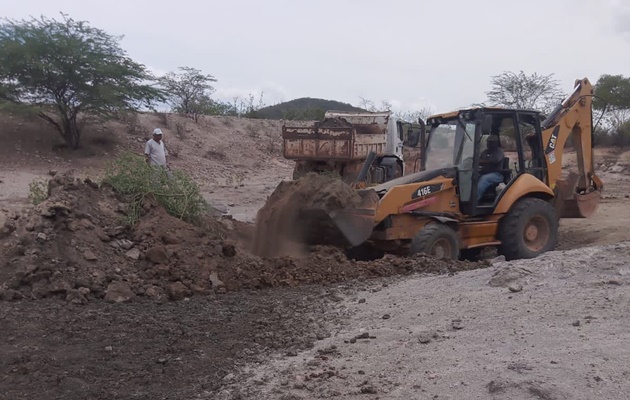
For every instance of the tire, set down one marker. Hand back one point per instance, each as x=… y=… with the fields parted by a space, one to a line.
x=528 y=230
x=437 y=240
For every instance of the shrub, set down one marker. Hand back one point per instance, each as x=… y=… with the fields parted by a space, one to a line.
x=175 y=191
x=37 y=191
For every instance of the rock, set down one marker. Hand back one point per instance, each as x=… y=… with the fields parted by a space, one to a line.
x=59 y=286
x=214 y=279
x=157 y=255
x=515 y=287
x=424 y=338
x=178 y=291
x=386 y=316
x=457 y=324
x=368 y=389
x=102 y=235
x=42 y=237
x=125 y=244
x=52 y=172
x=168 y=238
x=624 y=271
x=576 y=323
x=134 y=254
x=75 y=297
x=109 y=348
x=119 y=292
x=361 y=301
x=89 y=255
x=229 y=377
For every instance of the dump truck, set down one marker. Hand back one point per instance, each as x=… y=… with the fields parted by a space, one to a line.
x=343 y=141
x=443 y=210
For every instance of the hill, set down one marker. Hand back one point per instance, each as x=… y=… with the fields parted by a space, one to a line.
x=305 y=108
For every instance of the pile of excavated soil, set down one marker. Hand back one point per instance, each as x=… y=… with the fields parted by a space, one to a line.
x=75 y=246
x=279 y=224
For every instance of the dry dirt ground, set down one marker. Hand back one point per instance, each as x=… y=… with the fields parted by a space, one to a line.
x=318 y=326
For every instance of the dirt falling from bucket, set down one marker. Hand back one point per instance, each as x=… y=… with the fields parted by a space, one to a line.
x=279 y=229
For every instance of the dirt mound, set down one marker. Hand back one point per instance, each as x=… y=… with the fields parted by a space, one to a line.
x=335 y=122
x=280 y=226
x=76 y=246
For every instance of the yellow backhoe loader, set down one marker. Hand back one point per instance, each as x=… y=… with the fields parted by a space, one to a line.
x=449 y=209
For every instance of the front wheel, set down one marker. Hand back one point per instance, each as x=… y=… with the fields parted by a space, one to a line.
x=438 y=240
x=528 y=230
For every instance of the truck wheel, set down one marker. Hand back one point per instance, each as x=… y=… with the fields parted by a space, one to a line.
x=528 y=230
x=437 y=240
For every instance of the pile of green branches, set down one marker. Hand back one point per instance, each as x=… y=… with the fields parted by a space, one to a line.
x=132 y=177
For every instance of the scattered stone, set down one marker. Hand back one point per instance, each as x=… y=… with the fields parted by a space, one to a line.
x=368 y=389
x=214 y=279
x=76 y=297
x=361 y=301
x=134 y=254
x=424 y=339
x=89 y=255
x=386 y=316
x=42 y=237
x=178 y=291
x=576 y=323
x=170 y=239
x=457 y=324
x=161 y=360
x=109 y=348
x=157 y=255
x=515 y=287
x=292 y=353
x=624 y=271
x=119 y=292
x=125 y=244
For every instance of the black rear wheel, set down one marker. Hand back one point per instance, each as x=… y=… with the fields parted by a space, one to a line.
x=528 y=230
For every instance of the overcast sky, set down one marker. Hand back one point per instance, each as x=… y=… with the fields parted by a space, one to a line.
x=412 y=53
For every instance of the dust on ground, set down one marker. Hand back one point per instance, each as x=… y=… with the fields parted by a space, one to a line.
x=553 y=328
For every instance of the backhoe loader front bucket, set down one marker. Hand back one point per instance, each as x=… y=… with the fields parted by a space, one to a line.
x=344 y=227
x=570 y=203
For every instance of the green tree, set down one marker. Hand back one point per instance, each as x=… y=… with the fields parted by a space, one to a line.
x=188 y=91
x=66 y=69
x=538 y=92
x=613 y=95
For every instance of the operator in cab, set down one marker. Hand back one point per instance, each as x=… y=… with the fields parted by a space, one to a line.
x=490 y=162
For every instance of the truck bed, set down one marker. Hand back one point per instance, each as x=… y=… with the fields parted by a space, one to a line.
x=330 y=142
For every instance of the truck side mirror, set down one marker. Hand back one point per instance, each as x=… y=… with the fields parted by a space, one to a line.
x=486 y=124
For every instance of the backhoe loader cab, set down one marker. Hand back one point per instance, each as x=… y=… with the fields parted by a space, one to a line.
x=489 y=177
x=460 y=141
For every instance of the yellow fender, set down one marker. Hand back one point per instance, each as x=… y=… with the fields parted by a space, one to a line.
x=524 y=185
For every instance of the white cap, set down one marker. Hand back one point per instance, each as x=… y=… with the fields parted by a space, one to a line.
x=157 y=131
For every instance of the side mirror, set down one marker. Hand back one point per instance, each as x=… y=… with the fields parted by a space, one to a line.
x=486 y=124
x=415 y=136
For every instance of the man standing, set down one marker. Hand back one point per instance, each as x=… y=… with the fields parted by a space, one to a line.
x=155 y=152
x=490 y=161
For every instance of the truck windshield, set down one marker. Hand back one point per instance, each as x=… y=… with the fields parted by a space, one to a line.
x=450 y=144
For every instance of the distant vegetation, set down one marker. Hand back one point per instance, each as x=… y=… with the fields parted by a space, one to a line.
x=87 y=76
x=305 y=108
